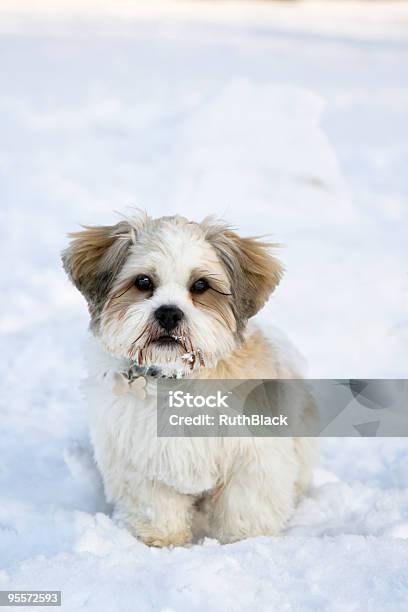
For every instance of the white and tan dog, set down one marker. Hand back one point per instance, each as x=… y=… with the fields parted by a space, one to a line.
x=178 y=295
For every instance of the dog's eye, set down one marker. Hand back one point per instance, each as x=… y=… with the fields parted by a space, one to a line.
x=143 y=283
x=199 y=286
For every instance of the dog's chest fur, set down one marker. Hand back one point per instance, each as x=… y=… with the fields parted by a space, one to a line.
x=123 y=429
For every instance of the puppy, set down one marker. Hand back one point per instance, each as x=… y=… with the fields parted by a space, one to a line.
x=154 y=288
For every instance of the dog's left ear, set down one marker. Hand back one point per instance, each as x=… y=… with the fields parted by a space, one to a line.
x=260 y=271
x=254 y=272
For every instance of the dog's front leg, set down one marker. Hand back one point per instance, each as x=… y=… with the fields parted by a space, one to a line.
x=157 y=514
x=259 y=495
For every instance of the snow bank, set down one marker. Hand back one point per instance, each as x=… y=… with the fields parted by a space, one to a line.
x=278 y=134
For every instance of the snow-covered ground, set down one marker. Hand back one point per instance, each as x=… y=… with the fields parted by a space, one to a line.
x=287 y=118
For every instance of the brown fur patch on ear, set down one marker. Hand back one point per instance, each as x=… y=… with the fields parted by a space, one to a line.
x=94 y=258
x=253 y=271
x=262 y=271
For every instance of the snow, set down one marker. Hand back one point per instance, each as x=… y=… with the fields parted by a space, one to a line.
x=282 y=118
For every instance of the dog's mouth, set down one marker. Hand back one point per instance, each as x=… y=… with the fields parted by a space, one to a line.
x=166 y=340
x=178 y=346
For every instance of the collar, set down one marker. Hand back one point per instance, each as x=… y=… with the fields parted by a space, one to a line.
x=98 y=356
x=135 y=370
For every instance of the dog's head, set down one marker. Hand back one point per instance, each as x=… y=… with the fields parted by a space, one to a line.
x=168 y=291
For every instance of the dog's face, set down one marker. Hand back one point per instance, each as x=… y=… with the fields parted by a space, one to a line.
x=170 y=292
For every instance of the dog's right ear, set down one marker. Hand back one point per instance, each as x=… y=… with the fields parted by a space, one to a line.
x=95 y=256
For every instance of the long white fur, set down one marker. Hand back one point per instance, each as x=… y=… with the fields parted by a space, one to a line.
x=252 y=484
x=153 y=482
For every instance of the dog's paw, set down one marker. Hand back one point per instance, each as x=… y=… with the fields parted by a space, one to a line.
x=159 y=539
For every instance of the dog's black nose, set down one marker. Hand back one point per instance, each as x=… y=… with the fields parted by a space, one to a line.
x=168 y=317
